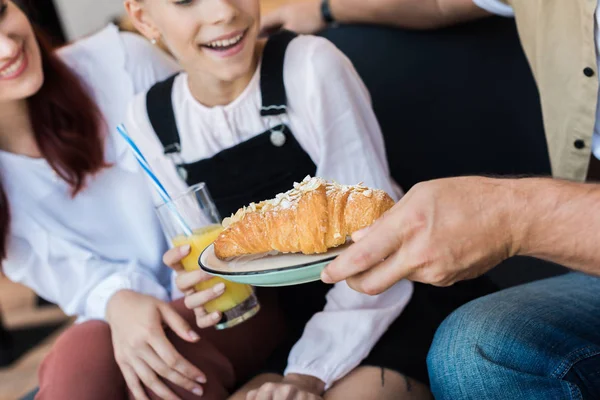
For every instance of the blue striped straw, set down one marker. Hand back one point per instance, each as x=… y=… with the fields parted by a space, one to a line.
x=162 y=192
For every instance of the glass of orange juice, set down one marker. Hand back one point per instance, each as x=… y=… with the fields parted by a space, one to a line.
x=238 y=303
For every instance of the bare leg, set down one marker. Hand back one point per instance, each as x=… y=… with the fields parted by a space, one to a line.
x=255 y=383
x=366 y=383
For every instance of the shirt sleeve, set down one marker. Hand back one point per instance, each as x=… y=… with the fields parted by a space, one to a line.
x=77 y=280
x=497 y=7
x=146 y=63
x=349 y=149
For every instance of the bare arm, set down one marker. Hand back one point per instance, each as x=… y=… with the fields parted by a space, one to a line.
x=559 y=221
x=447 y=230
x=305 y=16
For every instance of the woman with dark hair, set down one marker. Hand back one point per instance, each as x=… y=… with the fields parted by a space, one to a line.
x=77 y=223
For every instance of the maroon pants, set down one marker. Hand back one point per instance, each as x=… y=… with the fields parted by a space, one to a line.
x=81 y=364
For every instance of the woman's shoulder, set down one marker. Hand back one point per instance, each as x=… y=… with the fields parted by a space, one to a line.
x=105 y=45
x=118 y=56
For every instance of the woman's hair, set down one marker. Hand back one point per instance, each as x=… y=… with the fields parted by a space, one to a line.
x=68 y=129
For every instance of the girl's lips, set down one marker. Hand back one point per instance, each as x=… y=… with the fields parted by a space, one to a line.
x=227 y=51
x=15 y=67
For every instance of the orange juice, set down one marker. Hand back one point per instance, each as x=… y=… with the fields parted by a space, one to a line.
x=235 y=293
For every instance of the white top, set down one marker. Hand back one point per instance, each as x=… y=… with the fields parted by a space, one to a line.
x=500 y=8
x=330 y=114
x=77 y=252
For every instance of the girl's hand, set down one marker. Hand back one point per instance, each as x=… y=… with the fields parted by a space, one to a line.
x=143 y=351
x=186 y=281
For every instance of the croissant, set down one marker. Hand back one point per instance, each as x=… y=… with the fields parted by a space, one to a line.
x=313 y=217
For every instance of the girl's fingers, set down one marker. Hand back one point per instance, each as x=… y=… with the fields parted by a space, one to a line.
x=173 y=257
x=199 y=299
x=187 y=280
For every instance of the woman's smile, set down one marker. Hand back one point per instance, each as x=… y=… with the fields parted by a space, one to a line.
x=15 y=67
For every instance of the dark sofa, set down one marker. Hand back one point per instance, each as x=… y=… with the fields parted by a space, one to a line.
x=451 y=102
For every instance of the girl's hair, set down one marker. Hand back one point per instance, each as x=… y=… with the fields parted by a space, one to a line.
x=68 y=129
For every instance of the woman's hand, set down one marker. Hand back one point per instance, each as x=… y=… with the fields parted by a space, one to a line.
x=142 y=349
x=186 y=281
x=292 y=387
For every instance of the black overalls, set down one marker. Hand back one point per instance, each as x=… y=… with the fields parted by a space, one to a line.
x=259 y=169
x=252 y=171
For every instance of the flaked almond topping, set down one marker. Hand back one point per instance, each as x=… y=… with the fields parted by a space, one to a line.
x=290 y=198
x=359 y=188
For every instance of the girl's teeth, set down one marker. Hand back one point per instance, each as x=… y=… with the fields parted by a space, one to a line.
x=226 y=42
x=14 y=67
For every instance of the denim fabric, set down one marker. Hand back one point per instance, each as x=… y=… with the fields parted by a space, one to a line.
x=535 y=341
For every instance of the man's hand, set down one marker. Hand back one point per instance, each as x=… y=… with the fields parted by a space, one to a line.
x=300 y=17
x=441 y=232
x=292 y=387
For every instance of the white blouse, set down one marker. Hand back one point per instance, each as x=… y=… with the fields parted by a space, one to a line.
x=77 y=252
x=330 y=114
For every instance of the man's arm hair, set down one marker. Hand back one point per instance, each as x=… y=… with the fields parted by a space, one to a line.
x=558 y=221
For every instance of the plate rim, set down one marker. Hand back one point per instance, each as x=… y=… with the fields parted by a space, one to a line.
x=270 y=271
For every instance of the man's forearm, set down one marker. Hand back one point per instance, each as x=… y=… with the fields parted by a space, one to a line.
x=558 y=221
x=411 y=14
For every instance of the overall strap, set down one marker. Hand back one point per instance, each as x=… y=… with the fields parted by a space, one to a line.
x=159 y=105
x=272 y=87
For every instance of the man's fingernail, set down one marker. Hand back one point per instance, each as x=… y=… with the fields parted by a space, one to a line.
x=219 y=287
x=198 y=391
x=215 y=316
x=193 y=335
x=185 y=249
x=201 y=379
x=326 y=278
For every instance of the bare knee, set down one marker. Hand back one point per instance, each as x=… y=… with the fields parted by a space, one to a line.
x=368 y=383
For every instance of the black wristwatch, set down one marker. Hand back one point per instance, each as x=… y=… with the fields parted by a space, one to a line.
x=326 y=12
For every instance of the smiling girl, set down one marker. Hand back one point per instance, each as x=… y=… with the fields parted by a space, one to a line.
x=250 y=117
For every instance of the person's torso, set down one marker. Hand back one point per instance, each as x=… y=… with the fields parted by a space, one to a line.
x=113 y=216
x=559 y=39
x=246 y=151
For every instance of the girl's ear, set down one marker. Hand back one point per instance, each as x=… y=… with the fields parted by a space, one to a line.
x=141 y=20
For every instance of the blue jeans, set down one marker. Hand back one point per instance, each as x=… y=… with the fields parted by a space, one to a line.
x=535 y=341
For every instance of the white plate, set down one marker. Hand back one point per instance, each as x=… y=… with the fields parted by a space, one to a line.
x=273 y=270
